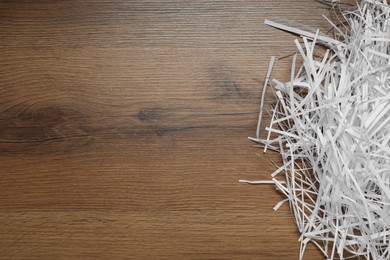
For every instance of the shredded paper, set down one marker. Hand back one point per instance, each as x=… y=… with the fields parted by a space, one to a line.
x=331 y=125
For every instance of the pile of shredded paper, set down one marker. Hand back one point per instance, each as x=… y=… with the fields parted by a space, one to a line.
x=331 y=125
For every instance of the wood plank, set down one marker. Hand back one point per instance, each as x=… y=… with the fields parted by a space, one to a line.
x=124 y=129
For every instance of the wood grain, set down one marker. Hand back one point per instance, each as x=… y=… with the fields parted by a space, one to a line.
x=124 y=129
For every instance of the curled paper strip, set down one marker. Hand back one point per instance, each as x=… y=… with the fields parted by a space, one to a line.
x=331 y=125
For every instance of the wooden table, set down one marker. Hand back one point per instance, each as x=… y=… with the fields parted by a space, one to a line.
x=124 y=129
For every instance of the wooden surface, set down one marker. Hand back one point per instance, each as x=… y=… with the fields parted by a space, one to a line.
x=124 y=129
